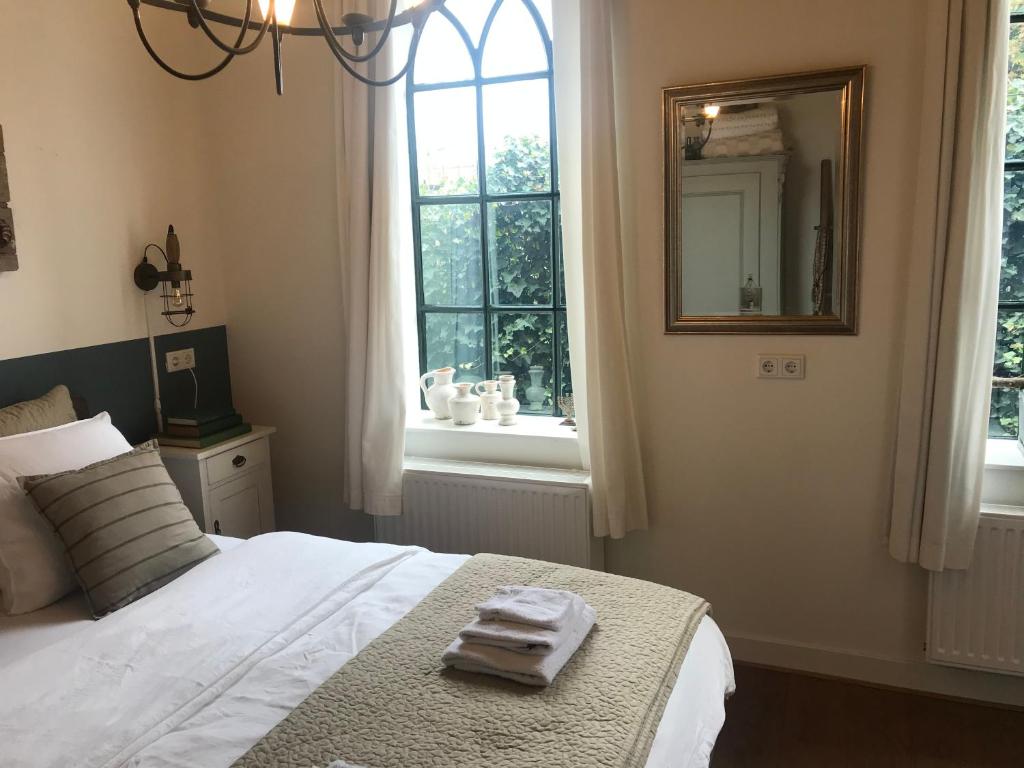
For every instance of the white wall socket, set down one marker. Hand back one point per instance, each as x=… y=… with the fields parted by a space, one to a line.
x=791 y=366
x=181 y=360
x=767 y=366
x=780 y=366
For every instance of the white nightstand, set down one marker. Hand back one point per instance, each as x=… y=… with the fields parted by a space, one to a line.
x=227 y=486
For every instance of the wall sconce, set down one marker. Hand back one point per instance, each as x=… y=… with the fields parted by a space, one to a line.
x=693 y=149
x=177 y=282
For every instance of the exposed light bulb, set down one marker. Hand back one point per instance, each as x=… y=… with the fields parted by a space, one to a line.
x=283 y=9
x=711 y=111
x=177 y=300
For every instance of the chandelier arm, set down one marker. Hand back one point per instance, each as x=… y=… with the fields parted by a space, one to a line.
x=357 y=57
x=413 y=45
x=407 y=16
x=135 y=5
x=198 y=15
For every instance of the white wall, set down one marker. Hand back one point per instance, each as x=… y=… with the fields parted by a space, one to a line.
x=770 y=498
x=103 y=152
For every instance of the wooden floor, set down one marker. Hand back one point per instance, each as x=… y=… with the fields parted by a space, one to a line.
x=790 y=721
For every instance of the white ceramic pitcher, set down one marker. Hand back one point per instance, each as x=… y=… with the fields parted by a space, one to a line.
x=440 y=392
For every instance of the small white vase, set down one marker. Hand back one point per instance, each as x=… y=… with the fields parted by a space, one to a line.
x=464 y=406
x=440 y=392
x=508 y=406
x=489 y=398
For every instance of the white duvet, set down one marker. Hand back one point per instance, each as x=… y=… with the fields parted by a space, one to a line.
x=197 y=672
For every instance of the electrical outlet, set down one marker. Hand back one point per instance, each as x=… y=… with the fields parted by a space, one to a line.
x=181 y=360
x=791 y=367
x=767 y=367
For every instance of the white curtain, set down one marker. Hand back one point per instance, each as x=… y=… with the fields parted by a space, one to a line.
x=953 y=277
x=595 y=257
x=373 y=198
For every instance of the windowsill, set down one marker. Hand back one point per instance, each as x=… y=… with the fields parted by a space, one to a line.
x=1004 y=454
x=538 y=441
x=1003 y=483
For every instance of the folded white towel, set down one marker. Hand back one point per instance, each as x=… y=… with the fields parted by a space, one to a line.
x=531 y=669
x=521 y=638
x=547 y=608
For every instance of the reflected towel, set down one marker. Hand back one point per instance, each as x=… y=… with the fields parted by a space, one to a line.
x=529 y=669
x=547 y=608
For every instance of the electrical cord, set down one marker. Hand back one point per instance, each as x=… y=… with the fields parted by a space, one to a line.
x=195 y=401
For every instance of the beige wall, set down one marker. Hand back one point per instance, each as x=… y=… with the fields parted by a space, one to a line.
x=770 y=497
x=103 y=153
x=272 y=175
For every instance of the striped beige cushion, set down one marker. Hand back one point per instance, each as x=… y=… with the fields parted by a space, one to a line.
x=123 y=524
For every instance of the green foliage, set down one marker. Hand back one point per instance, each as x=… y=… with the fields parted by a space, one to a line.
x=519 y=241
x=1004 y=420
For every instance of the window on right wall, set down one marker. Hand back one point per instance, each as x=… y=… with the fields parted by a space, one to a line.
x=490 y=287
x=1005 y=417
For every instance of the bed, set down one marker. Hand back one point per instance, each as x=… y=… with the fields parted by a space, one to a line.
x=207 y=662
x=197 y=672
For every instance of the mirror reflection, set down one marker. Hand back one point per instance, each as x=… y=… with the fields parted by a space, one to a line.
x=756 y=226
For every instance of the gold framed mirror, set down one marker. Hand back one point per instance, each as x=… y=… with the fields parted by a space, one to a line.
x=762 y=204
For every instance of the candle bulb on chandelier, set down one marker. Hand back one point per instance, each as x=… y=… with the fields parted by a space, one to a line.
x=283 y=10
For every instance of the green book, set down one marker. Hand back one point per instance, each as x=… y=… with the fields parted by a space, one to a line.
x=204 y=442
x=203 y=430
x=200 y=417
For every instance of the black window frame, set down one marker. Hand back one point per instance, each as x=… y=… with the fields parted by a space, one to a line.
x=489 y=309
x=1009 y=166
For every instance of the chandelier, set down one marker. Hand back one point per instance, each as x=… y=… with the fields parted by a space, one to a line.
x=277 y=17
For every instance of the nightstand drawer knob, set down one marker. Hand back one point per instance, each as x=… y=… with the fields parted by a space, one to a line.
x=238 y=461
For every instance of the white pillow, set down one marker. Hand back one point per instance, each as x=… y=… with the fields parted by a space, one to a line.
x=34 y=571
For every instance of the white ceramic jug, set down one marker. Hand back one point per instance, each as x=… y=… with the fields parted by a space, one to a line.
x=465 y=405
x=488 y=399
x=440 y=392
x=508 y=406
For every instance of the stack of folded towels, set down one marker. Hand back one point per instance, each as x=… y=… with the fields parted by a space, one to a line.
x=526 y=634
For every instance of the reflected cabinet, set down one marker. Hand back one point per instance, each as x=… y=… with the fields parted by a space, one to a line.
x=762 y=185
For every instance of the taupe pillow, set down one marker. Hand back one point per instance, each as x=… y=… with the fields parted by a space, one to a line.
x=123 y=525
x=51 y=410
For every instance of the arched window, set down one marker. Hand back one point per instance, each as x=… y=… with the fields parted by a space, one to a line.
x=490 y=287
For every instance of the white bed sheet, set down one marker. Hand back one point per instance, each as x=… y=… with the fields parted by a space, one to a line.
x=238 y=642
x=26 y=633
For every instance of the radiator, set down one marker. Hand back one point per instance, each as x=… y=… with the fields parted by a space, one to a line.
x=976 y=617
x=470 y=508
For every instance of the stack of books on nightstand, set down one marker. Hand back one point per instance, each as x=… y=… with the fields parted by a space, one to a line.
x=203 y=428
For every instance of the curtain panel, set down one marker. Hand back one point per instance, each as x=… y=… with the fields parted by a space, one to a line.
x=374 y=204
x=949 y=339
x=595 y=256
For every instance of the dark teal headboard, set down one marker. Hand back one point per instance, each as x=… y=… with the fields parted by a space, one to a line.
x=116 y=378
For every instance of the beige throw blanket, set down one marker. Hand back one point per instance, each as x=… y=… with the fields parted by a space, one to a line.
x=395 y=706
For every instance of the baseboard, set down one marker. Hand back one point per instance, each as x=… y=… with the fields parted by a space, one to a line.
x=909 y=674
